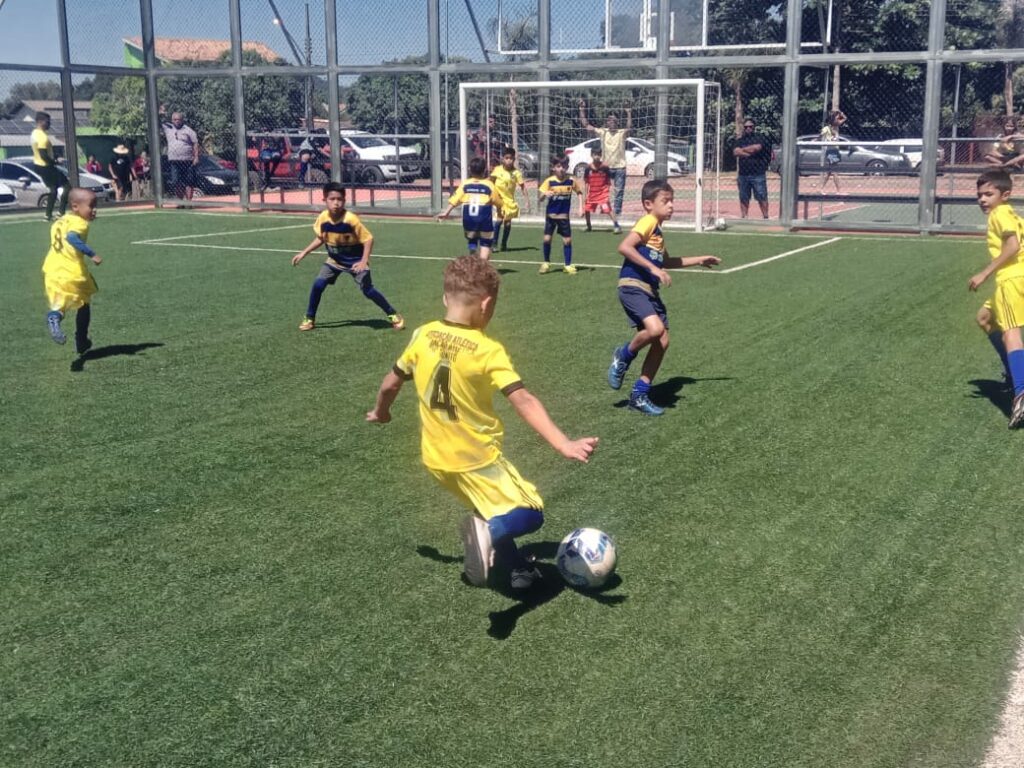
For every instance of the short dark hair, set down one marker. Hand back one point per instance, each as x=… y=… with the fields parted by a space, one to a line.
x=477 y=167
x=597 y=152
x=40 y=116
x=653 y=187
x=559 y=160
x=333 y=186
x=508 y=151
x=998 y=178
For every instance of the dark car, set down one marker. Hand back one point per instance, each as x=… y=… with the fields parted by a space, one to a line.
x=527 y=159
x=212 y=177
x=855 y=157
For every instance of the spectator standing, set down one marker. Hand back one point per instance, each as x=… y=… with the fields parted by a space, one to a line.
x=45 y=165
x=830 y=134
x=753 y=154
x=182 y=156
x=143 y=173
x=122 y=171
x=613 y=149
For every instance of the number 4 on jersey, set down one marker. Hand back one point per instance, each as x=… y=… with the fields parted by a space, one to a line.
x=441 y=391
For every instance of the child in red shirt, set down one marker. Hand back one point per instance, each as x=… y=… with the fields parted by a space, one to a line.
x=598 y=185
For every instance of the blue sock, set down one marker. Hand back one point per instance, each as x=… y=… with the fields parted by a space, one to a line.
x=624 y=354
x=504 y=239
x=996 y=338
x=567 y=253
x=547 y=250
x=505 y=528
x=497 y=232
x=641 y=387
x=1016 y=361
x=315 y=295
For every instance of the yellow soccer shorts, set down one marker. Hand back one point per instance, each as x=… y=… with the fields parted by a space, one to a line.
x=66 y=291
x=509 y=209
x=1008 y=303
x=493 y=490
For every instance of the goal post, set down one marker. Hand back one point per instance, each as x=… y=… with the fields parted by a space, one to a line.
x=675 y=133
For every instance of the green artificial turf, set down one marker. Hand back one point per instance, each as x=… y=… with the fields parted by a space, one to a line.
x=208 y=558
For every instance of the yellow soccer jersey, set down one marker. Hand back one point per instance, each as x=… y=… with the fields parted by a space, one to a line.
x=505 y=182
x=42 y=149
x=560 y=192
x=67 y=280
x=344 y=238
x=1002 y=223
x=457 y=370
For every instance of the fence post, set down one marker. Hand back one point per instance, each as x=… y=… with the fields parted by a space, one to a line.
x=932 y=108
x=241 y=150
x=67 y=93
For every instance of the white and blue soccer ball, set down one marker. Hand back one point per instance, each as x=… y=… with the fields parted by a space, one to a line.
x=586 y=558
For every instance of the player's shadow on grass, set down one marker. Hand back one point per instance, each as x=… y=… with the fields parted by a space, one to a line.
x=520 y=249
x=551 y=584
x=996 y=392
x=113 y=350
x=374 y=323
x=666 y=393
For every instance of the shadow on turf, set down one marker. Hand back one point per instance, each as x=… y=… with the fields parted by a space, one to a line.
x=996 y=392
x=503 y=623
x=666 y=393
x=375 y=323
x=114 y=350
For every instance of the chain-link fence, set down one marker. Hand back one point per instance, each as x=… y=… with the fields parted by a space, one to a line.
x=282 y=96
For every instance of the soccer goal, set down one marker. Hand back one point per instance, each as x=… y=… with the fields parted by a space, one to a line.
x=675 y=129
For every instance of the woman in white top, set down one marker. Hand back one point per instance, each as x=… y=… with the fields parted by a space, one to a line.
x=830 y=133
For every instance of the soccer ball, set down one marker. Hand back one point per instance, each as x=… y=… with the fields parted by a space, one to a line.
x=586 y=558
x=720 y=224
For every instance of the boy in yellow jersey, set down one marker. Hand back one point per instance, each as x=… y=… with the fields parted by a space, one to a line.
x=45 y=165
x=640 y=278
x=349 y=244
x=65 y=276
x=479 y=200
x=558 y=189
x=506 y=178
x=457 y=369
x=1005 y=248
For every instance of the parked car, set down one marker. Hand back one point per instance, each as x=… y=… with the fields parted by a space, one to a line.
x=639 y=158
x=7 y=198
x=855 y=157
x=914 y=150
x=212 y=177
x=527 y=158
x=31 y=192
x=404 y=164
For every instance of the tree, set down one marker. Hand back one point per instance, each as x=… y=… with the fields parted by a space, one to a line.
x=1009 y=34
x=45 y=90
x=391 y=103
x=122 y=111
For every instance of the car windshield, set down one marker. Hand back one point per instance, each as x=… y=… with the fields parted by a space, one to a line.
x=207 y=163
x=644 y=144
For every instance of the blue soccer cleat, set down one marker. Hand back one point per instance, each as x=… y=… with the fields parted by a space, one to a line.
x=642 y=402
x=617 y=370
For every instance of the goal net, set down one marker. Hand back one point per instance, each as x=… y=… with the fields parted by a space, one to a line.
x=674 y=131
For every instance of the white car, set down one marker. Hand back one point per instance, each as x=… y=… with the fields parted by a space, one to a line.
x=913 y=149
x=376 y=150
x=7 y=198
x=639 y=158
x=31 y=192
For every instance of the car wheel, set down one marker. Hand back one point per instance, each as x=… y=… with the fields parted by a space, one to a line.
x=373 y=175
x=876 y=168
x=580 y=170
x=197 y=193
x=43 y=200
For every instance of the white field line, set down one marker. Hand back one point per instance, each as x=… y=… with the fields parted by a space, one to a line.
x=1007 y=748
x=830 y=241
x=159 y=240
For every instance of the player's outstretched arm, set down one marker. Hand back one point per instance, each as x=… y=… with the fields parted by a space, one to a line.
x=532 y=411
x=389 y=389
x=583 y=116
x=317 y=242
x=692 y=261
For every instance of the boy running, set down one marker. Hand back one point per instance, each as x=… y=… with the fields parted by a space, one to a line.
x=65 y=276
x=642 y=275
x=479 y=200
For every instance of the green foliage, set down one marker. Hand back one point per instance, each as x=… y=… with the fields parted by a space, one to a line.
x=122 y=110
x=392 y=103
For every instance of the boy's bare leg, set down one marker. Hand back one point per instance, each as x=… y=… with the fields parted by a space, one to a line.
x=655 y=354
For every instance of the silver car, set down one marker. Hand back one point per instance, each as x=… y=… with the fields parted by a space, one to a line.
x=31 y=192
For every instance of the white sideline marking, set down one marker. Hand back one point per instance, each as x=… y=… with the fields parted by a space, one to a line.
x=159 y=240
x=1007 y=748
x=781 y=255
